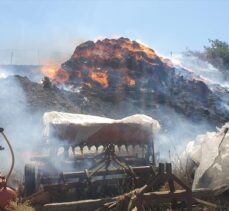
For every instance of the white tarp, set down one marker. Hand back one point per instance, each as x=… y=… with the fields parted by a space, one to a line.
x=210 y=153
x=79 y=129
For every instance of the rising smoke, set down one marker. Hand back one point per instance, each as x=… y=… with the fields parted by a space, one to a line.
x=23 y=128
x=201 y=68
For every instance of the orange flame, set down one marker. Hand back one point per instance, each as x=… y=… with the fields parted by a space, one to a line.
x=107 y=49
x=102 y=52
x=130 y=81
x=62 y=76
x=100 y=77
x=140 y=48
x=49 y=71
x=57 y=75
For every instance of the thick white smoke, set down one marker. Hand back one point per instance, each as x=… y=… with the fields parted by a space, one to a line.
x=23 y=128
x=4 y=73
x=176 y=131
x=201 y=68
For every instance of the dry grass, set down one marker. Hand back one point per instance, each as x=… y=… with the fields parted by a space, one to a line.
x=17 y=206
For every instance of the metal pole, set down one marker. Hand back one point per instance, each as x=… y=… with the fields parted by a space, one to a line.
x=11 y=57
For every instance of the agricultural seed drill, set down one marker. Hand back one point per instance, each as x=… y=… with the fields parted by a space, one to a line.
x=92 y=157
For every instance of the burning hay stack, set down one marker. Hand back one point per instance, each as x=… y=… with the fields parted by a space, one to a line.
x=115 y=70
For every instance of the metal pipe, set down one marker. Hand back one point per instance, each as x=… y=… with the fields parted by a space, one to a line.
x=145 y=170
x=11 y=151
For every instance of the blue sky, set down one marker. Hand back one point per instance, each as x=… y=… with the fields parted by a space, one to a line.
x=59 y=25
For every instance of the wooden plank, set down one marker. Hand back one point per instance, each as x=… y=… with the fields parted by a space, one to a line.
x=178 y=194
x=147 y=198
x=206 y=203
x=85 y=205
x=165 y=196
x=203 y=192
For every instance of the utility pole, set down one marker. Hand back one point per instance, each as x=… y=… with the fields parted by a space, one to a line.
x=38 y=56
x=171 y=54
x=11 y=57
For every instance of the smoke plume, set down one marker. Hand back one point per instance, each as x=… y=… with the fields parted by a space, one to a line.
x=23 y=128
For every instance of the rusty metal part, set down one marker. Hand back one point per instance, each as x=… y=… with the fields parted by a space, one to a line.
x=6 y=195
x=140 y=198
x=137 y=170
x=106 y=166
x=100 y=174
x=143 y=197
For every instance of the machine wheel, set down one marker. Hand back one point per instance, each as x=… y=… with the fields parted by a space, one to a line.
x=29 y=179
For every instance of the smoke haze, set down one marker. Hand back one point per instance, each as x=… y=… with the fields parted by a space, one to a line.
x=22 y=127
x=202 y=68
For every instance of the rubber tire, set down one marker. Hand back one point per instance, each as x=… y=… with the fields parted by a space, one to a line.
x=29 y=179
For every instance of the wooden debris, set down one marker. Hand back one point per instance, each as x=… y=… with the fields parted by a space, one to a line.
x=85 y=205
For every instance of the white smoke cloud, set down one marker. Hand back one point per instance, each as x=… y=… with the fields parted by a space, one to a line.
x=201 y=68
x=23 y=128
x=4 y=73
x=176 y=131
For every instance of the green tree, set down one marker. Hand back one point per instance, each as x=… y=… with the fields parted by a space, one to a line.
x=218 y=54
